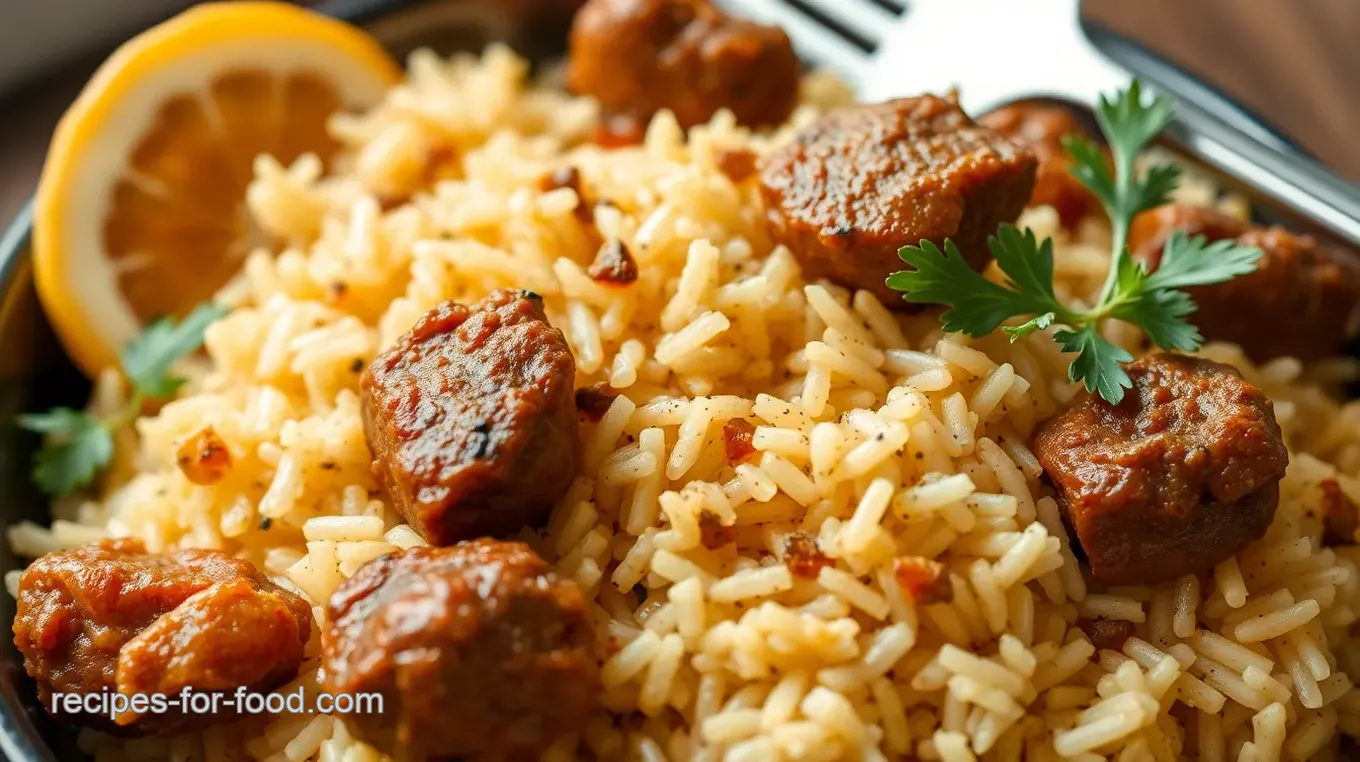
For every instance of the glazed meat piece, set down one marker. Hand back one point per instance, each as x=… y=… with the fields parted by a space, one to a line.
x=471 y=418
x=479 y=650
x=1303 y=299
x=637 y=57
x=1176 y=478
x=113 y=617
x=1042 y=127
x=857 y=185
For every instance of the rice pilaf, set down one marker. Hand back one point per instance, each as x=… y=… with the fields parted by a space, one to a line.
x=765 y=608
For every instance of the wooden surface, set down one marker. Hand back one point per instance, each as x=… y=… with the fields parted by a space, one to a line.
x=1296 y=62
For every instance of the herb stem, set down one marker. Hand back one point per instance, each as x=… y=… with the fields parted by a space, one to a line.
x=1120 y=212
x=131 y=409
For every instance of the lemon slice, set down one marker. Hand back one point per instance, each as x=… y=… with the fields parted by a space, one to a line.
x=140 y=212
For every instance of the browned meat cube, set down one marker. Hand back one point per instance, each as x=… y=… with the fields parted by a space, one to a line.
x=1042 y=126
x=112 y=617
x=471 y=418
x=1303 y=299
x=479 y=650
x=864 y=181
x=637 y=57
x=1179 y=476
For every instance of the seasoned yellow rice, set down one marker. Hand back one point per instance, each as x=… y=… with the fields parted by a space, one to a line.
x=876 y=433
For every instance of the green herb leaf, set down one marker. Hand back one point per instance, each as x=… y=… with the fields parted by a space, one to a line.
x=147 y=359
x=1028 y=265
x=1098 y=365
x=1189 y=261
x=58 y=420
x=77 y=448
x=1161 y=313
x=77 y=445
x=1128 y=123
x=1155 y=187
x=1091 y=167
x=978 y=305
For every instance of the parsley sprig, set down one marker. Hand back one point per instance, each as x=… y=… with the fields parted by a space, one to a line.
x=78 y=445
x=1152 y=301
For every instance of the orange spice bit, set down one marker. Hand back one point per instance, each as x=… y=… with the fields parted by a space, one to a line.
x=1107 y=633
x=592 y=401
x=923 y=580
x=712 y=533
x=614 y=264
x=737 y=163
x=204 y=458
x=737 y=434
x=803 y=556
x=1340 y=516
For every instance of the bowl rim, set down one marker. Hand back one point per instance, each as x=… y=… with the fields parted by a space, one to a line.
x=20 y=739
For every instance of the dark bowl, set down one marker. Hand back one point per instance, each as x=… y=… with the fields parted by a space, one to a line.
x=35 y=373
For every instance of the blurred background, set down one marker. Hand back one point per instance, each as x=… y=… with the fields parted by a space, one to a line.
x=1294 y=62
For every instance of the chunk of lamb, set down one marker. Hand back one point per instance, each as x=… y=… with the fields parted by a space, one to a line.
x=479 y=650
x=1302 y=300
x=851 y=189
x=113 y=617
x=1042 y=126
x=1179 y=476
x=471 y=418
x=637 y=57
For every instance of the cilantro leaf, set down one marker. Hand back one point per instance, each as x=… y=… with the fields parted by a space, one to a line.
x=1161 y=313
x=1155 y=187
x=977 y=305
x=1090 y=167
x=58 y=420
x=147 y=359
x=1027 y=264
x=1128 y=123
x=78 y=447
x=1098 y=365
x=1189 y=261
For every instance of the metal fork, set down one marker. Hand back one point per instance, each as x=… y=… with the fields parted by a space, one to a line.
x=999 y=51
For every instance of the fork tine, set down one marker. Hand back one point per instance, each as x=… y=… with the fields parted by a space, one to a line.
x=813 y=41
x=863 y=17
